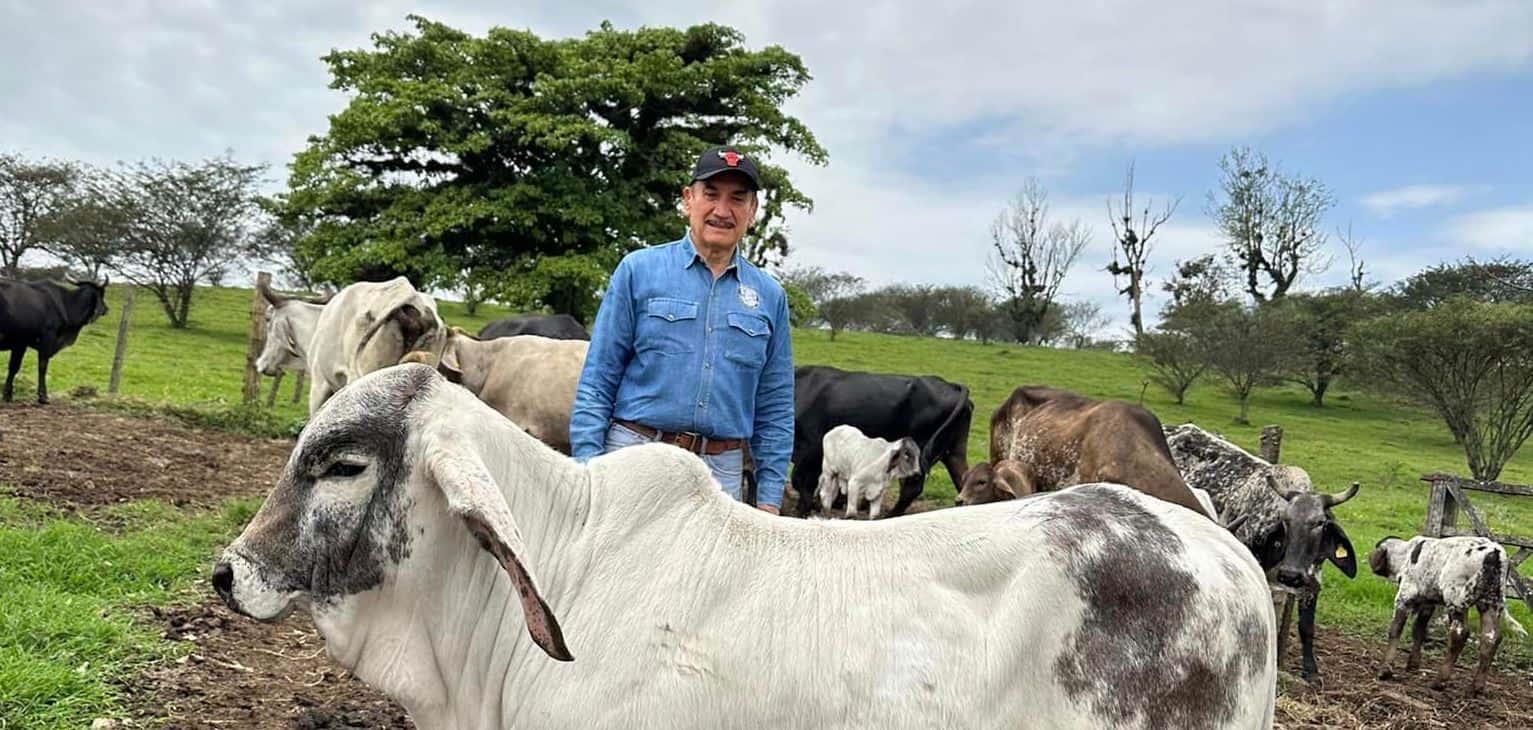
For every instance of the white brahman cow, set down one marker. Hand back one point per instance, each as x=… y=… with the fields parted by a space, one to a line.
x=434 y=543
x=290 y=326
x=368 y=326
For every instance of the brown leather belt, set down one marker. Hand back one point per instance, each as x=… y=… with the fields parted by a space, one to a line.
x=693 y=442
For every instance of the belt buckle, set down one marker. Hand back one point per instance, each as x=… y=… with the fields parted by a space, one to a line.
x=696 y=442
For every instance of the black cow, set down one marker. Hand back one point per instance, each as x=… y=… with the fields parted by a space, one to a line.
x=929 y=410
x=47 y=317
x=555 y=326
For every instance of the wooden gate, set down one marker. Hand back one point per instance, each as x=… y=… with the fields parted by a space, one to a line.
x=1450 y=496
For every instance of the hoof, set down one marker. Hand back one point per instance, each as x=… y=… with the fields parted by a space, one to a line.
x=1386 y=674
x=1438 y=684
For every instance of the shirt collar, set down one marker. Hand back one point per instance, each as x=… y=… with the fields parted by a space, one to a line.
x=691 y=256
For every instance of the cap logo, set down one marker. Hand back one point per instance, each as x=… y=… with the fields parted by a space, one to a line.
x=731 y=158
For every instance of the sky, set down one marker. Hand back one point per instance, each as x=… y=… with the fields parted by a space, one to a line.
x=1416 y=114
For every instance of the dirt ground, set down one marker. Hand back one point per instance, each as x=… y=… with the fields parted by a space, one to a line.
x=241 y=674
x=73 y=456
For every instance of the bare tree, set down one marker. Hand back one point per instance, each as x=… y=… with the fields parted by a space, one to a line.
x=33 y=195
x=1356 y=274
x=1032 y=256
x=1270 y=221
x=1133 y=240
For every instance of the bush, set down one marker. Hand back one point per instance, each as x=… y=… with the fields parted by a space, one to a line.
x=1471 y=362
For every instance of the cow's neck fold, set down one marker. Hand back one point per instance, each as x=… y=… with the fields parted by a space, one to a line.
x=304 y=322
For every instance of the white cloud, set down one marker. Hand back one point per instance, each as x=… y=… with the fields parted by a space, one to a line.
x=1385 y=203
x=1038 y=83
x=1506 y=230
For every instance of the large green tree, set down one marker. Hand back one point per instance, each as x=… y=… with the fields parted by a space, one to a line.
x=541 y=161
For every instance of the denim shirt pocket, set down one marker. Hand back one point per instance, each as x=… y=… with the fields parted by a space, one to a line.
x=666 y=326
x=746 y=338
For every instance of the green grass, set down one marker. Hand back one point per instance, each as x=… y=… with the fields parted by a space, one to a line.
x=67 y=589
x=66 y=585
x=200 y=368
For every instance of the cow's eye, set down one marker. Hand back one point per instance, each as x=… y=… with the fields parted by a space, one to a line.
x=343 y=470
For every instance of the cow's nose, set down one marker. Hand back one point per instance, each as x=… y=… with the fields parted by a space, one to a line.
x=1291 y=578
x=223 y=581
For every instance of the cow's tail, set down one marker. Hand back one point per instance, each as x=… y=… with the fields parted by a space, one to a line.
x=1497 y=565
x=931 y=443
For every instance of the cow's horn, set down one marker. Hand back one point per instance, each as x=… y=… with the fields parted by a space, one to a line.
x=1331 y=500
x=271 y=297
x=1284 y=493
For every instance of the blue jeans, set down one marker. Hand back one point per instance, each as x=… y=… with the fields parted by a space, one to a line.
x=728 y=467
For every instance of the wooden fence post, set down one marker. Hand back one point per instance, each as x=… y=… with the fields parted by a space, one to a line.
x=1272 y=443
x=257 y=338
x=122 y=341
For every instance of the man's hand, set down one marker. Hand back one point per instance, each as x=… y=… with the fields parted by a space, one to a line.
x=769 y=509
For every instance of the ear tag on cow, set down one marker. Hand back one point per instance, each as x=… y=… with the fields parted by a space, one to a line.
x=1341 y=552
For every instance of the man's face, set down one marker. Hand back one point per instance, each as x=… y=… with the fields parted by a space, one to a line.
x=720 y=209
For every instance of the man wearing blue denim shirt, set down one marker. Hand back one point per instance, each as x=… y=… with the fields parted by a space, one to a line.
x=691 y=344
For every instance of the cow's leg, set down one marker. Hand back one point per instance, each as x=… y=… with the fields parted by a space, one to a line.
x=1490 y=638
x=42 y=378
x=806 y=480
x=1458 y=633
x=1419 y=636
x=1386 y=668
x=875 y=503
x=1308 y=669
x=957 y=465
x=910 y=488
x=17 y=354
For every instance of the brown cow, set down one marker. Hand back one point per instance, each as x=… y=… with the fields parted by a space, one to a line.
x=527 y=378
x=1042 y=439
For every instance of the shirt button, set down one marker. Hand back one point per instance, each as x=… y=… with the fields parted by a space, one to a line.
x=707 y=365
x=710 y=329
x=670 y=317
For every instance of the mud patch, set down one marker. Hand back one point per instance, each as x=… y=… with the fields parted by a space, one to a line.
x=75 y=457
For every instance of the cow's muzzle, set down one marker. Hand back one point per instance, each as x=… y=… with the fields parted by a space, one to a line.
x=1289 y=578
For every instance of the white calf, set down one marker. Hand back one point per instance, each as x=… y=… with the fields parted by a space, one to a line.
x=862 y=467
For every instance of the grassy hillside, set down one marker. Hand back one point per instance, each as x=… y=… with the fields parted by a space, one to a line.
x=1384 y=445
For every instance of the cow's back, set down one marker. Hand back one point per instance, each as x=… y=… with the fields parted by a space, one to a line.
x=27 y=310
x=1093 y=607
x=881 y=405
x=532 y=381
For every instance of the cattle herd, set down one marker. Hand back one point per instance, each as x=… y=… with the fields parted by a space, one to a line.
x=1099 y=570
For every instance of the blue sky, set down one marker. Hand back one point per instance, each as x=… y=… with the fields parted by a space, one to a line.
x=1416 y=113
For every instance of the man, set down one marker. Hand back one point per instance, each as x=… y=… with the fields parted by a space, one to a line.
x=691 y=344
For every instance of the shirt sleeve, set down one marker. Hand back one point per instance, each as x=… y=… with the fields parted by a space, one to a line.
x=606 y=360
x=772 y=436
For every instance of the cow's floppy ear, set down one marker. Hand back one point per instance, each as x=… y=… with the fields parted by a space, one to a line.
x=1340 y=549
x=448 y=365
x=905 y=458
x=473 y=496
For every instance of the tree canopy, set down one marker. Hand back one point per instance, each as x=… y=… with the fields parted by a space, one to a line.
x=541 y=161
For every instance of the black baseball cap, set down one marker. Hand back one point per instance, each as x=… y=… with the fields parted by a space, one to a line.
x=725 y=158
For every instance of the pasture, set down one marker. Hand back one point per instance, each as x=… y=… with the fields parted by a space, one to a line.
x=84 y=557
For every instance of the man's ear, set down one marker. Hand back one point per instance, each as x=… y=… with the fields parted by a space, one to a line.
x=473 y=496
x=1340 y=549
